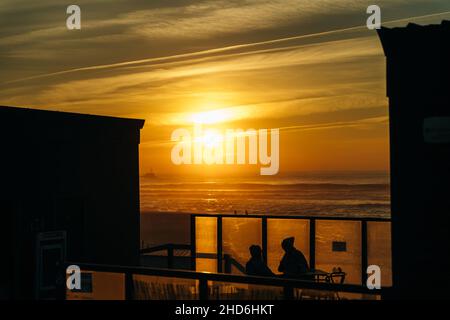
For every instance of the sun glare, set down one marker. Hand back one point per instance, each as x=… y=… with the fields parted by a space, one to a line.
x=210 y=117
x=212 y=139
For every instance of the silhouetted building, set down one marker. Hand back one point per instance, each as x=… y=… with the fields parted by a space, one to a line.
x=69 y=191
x=418 y=87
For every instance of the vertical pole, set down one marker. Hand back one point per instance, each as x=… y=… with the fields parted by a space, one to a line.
x=288 y=293
x=129 y=286
x=193 y=247
x=219 y=245
x=264 y=238
x=312 y=243
x=203 y=289
x=227 y=260
x=364 y=252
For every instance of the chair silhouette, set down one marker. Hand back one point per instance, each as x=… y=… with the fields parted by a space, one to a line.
x=337 y=276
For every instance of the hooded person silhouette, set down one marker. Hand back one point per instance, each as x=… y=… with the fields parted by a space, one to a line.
x=256 y=265
x=293 y=264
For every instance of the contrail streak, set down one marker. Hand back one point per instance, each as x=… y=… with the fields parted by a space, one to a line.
x=216 y=50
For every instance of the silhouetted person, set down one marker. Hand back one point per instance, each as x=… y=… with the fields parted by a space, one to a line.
x=256 y=265
x=293 y=264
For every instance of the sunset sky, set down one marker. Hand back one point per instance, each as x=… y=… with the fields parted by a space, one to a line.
x=310 y=68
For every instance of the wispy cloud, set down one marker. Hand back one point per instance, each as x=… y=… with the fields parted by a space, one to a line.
x=310 y=68
x=24 y=53
x=135 y=83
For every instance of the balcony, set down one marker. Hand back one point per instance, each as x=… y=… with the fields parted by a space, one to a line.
x=211 y=266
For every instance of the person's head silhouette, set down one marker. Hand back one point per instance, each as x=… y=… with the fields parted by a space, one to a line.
x=255 y=251
x=288 y=244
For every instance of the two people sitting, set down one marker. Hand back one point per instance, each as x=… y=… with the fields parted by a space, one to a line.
x=293 y=264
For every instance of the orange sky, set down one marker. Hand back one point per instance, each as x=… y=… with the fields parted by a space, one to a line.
x=314 y=71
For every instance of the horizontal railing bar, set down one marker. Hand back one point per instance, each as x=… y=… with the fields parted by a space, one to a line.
x=215 y=215
x=211 y=256
x=184 y=274
x=200 y=255
x=166 y=246
x=155 y=249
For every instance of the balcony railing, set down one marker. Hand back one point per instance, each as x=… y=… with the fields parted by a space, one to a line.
x=219 y=244
x=135 y=283
x=350 y=243
x=214 y=261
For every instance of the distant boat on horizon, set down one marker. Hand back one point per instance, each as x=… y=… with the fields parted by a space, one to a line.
x=150 y=174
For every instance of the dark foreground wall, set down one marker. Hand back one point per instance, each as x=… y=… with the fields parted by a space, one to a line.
x=418 y=87
x=78 y=174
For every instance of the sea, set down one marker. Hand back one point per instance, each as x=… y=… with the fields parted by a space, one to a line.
x=347 y=194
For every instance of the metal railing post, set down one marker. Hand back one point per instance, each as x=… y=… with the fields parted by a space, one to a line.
x=288 y=293
x=203 y=289
x=312 y=243
x=364 y=252
x=227 y=260
x=219 y=245
x=193 y=248
x=264 y=238
x=129 y=286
